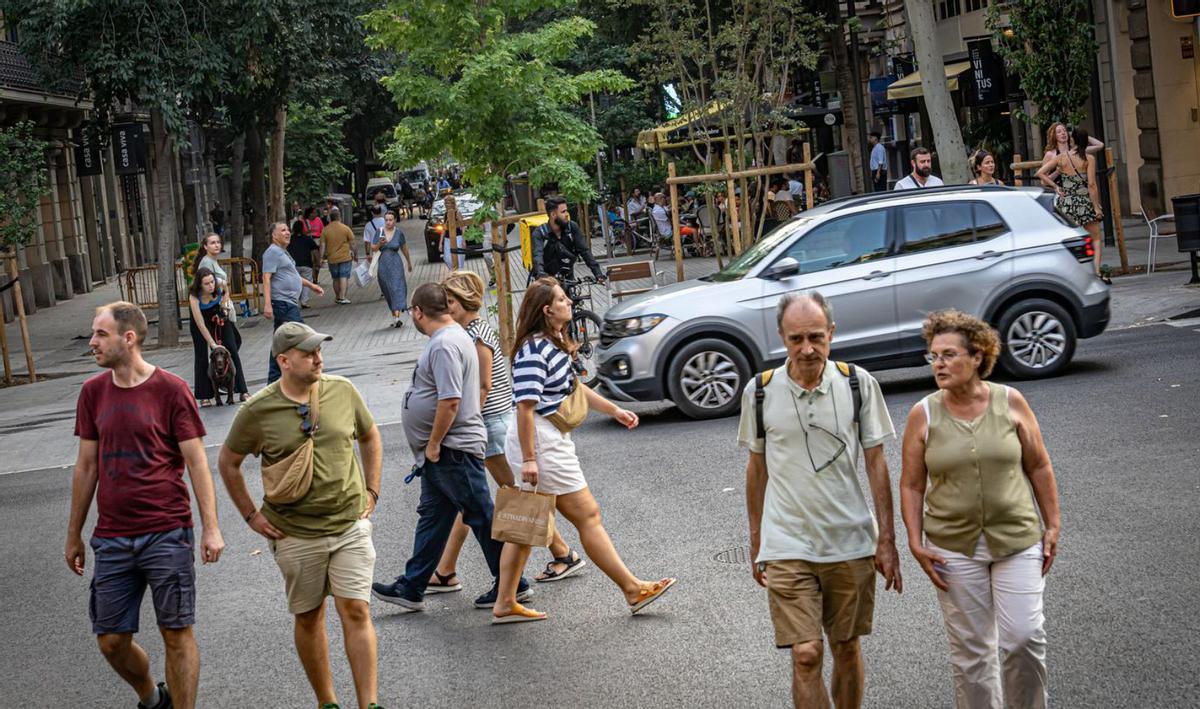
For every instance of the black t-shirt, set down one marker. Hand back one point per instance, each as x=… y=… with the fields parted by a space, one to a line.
x=301 y=248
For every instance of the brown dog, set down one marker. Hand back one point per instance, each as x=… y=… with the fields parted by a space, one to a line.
x=222 y=373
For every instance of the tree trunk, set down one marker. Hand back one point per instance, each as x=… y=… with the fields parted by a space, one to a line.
x=168 y=299
x=851 y=95
x=278 y=207
x=947 y=134
x=236 y=236
x=259 y=239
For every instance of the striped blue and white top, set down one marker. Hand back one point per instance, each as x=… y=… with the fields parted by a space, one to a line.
x=500 y=398
x=542 y=373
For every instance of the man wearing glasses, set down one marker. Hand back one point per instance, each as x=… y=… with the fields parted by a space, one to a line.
x=321 y=541
x=813 y=540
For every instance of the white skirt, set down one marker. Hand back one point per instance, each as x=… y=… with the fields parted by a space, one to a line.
x=558 y=466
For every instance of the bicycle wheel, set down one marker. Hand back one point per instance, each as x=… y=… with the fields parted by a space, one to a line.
x=585 y=331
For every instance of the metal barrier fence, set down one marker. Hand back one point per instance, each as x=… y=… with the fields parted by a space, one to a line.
x=139 y=285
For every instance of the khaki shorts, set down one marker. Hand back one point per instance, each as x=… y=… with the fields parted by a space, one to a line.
x=342 y=565
x=807 y=596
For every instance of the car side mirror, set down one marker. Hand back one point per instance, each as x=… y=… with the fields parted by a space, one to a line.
x=783 y=268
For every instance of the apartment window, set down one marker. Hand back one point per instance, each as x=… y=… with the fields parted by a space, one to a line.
x=10 y=33
x=949 y=8
x=976 y=5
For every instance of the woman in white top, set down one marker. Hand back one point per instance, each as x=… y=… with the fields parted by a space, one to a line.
x=542 y=380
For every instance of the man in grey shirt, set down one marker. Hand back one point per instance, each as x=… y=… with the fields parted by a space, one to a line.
x=444 y=427
x=282 y=286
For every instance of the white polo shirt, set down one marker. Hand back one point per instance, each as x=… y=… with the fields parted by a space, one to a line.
x=815 y=516
x=908 y=183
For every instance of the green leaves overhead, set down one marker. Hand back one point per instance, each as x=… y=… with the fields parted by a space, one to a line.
x=314 y=158
x=1052 y=49
x=496 y=99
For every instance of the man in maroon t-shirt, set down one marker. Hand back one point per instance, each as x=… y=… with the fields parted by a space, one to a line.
x=138 y=426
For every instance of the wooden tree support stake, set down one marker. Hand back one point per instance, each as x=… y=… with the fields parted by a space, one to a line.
x=19 y=306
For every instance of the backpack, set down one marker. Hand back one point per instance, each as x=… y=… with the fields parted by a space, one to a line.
x=763 y=378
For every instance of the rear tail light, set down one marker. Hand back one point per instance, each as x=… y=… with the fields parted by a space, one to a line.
x=1081 y=248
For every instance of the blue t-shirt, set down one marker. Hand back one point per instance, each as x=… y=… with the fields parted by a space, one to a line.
x=285 y=279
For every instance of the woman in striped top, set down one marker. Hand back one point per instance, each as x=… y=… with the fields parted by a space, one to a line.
x=464 y=294
x=542 y=379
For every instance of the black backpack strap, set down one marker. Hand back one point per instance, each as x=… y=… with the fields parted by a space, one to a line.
x=760 y=395
x=851 y=372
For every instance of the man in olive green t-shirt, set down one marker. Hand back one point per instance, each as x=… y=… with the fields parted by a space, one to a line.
x=337 y=241
x=321 y=541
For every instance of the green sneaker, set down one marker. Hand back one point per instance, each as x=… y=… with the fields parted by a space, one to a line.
x=374 y=706
x=330 y=706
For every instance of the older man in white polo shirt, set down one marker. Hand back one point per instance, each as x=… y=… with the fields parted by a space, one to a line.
x=814 y=541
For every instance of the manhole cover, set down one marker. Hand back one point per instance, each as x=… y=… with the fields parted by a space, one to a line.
x=736 y=555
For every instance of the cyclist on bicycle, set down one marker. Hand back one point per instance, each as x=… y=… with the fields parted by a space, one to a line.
x=558 y=243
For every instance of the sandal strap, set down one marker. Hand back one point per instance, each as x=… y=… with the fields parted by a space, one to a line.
x=445 y=580
x=569 y=559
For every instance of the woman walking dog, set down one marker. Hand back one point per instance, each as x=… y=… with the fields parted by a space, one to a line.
x=211 y=329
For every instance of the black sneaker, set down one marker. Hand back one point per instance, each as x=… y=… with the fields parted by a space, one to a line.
x=488 y=600
x=398 y=594
x=164 y=699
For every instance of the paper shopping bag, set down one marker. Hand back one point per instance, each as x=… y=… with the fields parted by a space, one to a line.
x=523 y=517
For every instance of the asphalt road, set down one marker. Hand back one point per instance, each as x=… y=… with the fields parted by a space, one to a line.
x=1120 y=602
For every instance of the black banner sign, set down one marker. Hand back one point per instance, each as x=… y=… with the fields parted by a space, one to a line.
x=129 y=149
x=87 y=152
x=983 y=84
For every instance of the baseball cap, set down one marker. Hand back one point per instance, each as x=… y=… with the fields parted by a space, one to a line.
x=296 y=335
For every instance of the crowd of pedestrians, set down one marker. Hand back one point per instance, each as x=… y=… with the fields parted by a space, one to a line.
x=978 y=495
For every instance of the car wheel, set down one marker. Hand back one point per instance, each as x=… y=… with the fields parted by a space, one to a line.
x=1037 y=339
x=705 y=379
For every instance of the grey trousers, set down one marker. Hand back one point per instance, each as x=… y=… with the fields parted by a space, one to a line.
x=306 y=273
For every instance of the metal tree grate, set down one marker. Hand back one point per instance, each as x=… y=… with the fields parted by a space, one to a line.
x=736 y=555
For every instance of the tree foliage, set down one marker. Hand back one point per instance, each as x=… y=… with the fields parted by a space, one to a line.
x=315 y=158
x=497 y=100
x=1053 y=55
x=23 y=183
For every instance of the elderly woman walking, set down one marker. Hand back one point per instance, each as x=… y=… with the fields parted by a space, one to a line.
x=390 y=243
x=976 y=475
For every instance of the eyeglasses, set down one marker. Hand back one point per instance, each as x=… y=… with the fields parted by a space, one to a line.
x=947 y=357
x=837 y=443
x=306 y=424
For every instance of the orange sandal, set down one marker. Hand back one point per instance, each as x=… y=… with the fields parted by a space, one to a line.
x=650 y=595
x=520 y=614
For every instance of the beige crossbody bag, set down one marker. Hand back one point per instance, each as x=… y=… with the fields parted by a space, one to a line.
x=288 y=479
x=573 y=409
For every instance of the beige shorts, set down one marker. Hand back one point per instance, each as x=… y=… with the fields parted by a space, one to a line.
x=558 y=466
x=342 y=565
x=808 y=596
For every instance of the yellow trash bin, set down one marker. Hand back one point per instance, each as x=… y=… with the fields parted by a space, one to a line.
x=527 y=225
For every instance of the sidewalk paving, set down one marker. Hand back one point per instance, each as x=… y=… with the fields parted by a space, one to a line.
x=366 y=348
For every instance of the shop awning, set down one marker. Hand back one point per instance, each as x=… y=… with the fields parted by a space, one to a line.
x=657 y=138
x=701 y=125
x=910 y=86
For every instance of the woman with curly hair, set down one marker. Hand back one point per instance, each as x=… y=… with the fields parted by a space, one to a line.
x=976 y=475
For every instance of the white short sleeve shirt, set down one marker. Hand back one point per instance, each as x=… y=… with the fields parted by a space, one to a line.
x=820 y=516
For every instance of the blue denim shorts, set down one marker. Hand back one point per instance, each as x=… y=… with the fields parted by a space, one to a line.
x=340 y=270
x=126 y=565
x=497 y=430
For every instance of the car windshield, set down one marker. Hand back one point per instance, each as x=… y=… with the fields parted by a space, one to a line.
x=741 y=265
x=388 y=191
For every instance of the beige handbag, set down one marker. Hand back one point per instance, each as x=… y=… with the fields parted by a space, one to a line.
x=573 y=409
x=289 y=478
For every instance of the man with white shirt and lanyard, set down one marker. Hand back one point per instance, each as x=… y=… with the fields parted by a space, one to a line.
x=814 y=543
x=922 y=172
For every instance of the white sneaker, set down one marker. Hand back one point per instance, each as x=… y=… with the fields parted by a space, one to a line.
x=344 y=301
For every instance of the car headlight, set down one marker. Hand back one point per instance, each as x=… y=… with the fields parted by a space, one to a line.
x=635 y=326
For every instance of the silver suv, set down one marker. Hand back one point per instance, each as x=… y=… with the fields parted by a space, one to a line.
x=884 y=261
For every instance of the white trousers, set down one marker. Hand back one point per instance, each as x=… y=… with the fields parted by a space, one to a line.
x=992 y=605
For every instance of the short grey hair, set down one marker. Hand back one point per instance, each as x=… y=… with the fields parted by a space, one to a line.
x=810 y=296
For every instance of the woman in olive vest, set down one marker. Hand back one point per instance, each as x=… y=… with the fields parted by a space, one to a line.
x=976 y=475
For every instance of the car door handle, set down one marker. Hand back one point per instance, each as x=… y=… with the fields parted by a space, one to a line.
x=988 y=254
x=875 y=275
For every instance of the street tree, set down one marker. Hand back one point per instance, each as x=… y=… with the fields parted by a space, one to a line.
x=492 y=95
x=150 y=54
x=947 y=135
x=1053 y=56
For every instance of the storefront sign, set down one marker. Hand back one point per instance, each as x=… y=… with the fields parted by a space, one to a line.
x=985 y=81
x=87 y=153
x=129 y=149
x=880 y=105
